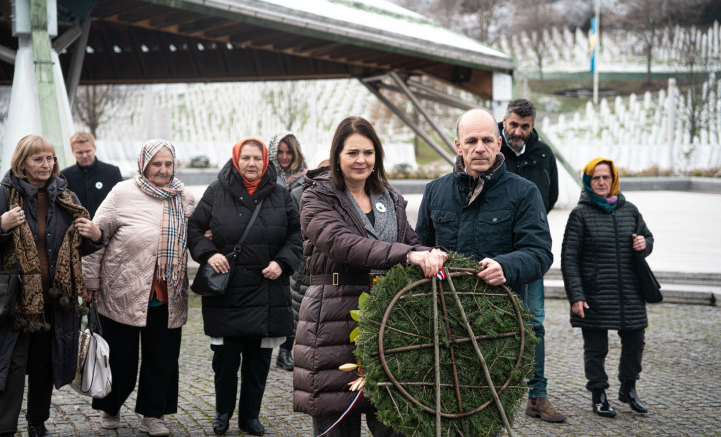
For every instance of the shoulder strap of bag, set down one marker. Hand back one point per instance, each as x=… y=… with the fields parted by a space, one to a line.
x=93 y=319
x=239 y=246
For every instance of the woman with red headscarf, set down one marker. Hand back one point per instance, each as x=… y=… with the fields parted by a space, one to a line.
x=255 y=314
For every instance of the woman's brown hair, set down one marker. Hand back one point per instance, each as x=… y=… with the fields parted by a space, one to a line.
x=377 y=182
x=28 y=146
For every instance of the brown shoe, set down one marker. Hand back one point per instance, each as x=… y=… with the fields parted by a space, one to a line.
x=542 y=408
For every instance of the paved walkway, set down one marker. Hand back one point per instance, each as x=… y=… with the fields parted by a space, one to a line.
x=682 y=362
x=680 y=385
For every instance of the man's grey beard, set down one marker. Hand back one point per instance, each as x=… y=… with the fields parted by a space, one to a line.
x=515 y=146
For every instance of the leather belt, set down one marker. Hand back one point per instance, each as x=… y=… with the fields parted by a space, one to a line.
x=341 y=279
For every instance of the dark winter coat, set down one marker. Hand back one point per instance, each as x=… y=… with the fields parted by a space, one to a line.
x=506 y=222
x=253 y=307
x=597 y=265
x=66 y=325
x=537 y=164
x=336 y=242
x=300 y=279
x=93 y=183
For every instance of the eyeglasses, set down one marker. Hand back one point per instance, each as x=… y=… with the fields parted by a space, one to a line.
x=51 y=160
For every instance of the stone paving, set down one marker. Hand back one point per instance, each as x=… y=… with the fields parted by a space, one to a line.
x=680 y=385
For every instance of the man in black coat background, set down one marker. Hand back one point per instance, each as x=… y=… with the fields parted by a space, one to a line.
x=529 y=157
x=90 y=179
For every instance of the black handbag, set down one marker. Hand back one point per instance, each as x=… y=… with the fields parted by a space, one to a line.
x=9 y=289
x=647 y=284
x=210 y=283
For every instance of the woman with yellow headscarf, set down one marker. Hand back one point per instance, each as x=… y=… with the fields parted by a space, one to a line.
x=603 y=235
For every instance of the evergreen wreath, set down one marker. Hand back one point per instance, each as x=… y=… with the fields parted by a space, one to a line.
x=397 y=330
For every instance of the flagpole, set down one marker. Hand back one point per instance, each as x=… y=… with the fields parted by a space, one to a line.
x=596 y=52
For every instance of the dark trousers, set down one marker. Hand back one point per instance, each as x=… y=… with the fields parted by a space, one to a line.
x=534 y=300
x=31 y=356
x=253 y=375
x=160 y=347
x=288 y=343
x=595 y=349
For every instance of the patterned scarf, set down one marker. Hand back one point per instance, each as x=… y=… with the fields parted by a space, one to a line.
x=172 y=255
x=68 y=283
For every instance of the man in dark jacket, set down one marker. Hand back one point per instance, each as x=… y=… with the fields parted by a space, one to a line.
x=527 y=156
x=484 y=211
x=90 y=179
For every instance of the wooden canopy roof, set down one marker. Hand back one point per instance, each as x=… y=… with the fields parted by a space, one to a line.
x=152 y=41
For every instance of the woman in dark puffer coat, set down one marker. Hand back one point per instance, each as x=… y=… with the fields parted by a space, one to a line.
x=354 y=223
x=286 y=156
x=603 y=235
x=255 y=314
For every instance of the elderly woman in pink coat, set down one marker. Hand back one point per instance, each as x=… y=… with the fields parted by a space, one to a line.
x=141 y=285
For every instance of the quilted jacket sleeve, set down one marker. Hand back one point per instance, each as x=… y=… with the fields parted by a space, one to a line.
x=571 y=254
x=201 y=247
x=105 y=220
x=288 y=256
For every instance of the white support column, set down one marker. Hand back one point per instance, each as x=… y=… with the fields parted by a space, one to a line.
x=25 y=113
x=502 y=94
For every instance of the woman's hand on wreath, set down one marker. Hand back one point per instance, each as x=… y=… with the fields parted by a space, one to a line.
x=219 y=263
x=88 y=229
x=273 y=271
x=430 y=262
x=11 y=219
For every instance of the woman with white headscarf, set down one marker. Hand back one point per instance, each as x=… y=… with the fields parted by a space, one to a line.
x=141 y=286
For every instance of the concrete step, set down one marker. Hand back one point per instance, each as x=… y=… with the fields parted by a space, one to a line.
x=712 y=280
x=689 y=294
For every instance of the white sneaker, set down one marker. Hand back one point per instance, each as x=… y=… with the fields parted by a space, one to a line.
x=109 y=422
x=154 y=426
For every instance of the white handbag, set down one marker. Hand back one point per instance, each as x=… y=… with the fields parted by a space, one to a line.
x=93 y=376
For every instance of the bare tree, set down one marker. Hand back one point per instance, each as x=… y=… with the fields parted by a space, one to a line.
x=699 y=100
x=475 y=18
x=288 y=104
x=95 y=104
x=649 y=18
x=536 y=18
x=487 y=23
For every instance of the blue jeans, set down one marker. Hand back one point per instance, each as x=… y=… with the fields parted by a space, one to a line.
x=534 y=303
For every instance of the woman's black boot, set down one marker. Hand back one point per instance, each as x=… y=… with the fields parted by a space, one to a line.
x=285 y=359
x=221 y=423
x=600 y=403
x=628 y=395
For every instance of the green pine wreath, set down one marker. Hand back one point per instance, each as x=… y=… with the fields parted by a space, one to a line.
x=401 y=303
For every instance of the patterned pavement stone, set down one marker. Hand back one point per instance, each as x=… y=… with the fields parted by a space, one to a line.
x=680 y=385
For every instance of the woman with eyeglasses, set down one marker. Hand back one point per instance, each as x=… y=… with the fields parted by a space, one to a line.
x=43 y=234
